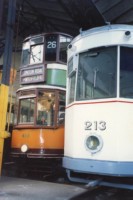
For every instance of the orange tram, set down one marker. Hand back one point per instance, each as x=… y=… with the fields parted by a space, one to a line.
x=38 y=131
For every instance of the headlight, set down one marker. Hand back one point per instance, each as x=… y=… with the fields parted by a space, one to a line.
x=24 y=148
x=94 y=143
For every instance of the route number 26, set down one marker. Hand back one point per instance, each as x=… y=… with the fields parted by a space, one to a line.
x=51 y=45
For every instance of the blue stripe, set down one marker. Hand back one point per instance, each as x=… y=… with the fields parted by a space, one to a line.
x=110 y=168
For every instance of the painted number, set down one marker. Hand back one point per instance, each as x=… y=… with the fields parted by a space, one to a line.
x=51 y=45
x=101 y=125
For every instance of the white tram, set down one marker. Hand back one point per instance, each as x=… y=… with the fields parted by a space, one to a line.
x=99 y=110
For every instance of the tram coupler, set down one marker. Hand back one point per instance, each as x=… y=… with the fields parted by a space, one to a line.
x=89 y=183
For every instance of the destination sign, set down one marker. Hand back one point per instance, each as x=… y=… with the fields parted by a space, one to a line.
x=34 y=74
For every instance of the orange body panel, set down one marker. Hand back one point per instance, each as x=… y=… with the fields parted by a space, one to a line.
x=38 y=138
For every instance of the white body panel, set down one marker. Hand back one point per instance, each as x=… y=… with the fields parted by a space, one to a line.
x=117 y=138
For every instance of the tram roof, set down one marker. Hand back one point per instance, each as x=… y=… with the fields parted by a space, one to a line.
x=109 y=27
x=41 y=87
x=47 y=33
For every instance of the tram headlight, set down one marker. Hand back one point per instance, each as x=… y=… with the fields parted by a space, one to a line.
x=24 y=148
x=94 y=143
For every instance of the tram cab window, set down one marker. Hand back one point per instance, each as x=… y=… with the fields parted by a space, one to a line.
x=126 y=72
x=97 y=74
x=27 y=109
x=45 y=108
x=64 y=42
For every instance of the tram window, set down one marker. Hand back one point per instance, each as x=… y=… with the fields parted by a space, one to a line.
x=15 y=113
x=61 y=113
x=64 y=41
x=37 y=40
x=25 y=54
x=126 y=72
x=71 y=90
x=50 y=47
x=36 y=54
x=27 y=107
x=70 y=66
x=97 y=74
x=45 y=108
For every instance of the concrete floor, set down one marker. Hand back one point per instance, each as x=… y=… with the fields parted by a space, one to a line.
x=24 y=189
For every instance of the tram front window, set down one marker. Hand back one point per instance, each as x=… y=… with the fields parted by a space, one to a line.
x=97 y=74
x=45 y=108
x=27 y=109
x=126 y=72
x=36 y=55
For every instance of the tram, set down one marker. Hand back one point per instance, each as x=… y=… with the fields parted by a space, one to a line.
x=99 y=107
x=40 y=106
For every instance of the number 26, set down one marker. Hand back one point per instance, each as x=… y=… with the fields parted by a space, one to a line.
x=51 y=45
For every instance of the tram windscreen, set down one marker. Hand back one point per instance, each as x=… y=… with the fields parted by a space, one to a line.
x=126 y=72
x=97 y=74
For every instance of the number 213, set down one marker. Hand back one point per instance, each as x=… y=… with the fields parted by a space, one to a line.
x=101 y=125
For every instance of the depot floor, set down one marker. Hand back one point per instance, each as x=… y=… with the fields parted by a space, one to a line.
x=24 y=189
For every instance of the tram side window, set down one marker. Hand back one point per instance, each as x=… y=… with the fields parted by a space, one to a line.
x=126 y=72
x=64 y=42
x=45 y=108
x=25 y=54
x=27 y=109
x=71 y=82
x=61 y=113
x=97 y=74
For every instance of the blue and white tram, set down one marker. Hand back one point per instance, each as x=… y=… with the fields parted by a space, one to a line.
x=99 y=110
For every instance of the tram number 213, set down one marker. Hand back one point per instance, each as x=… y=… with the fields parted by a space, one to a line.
x=95 y=125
